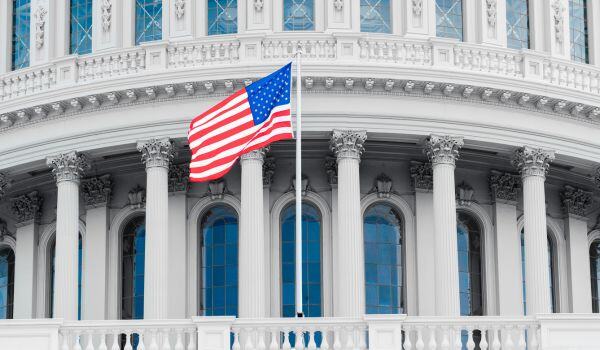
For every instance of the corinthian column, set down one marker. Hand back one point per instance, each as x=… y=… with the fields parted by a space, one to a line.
x=442 y=150
x=68 y=169
x=252 y=272
x=349 y=286
x=533 y=164
x=157 y=155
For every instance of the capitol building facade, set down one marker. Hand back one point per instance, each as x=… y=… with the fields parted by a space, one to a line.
x=450 y=176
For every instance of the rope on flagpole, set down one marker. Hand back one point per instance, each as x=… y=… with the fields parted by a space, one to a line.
x=298 y=186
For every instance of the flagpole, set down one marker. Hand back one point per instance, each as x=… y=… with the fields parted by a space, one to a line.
x=298 y=186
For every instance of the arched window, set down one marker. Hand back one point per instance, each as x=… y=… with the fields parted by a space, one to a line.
x=222 y=17
x=595 y=274
x=7 y=282
x=132 y=269
x=52 y=274
x=81 y=27
x=298 y=15
x=21 y=12
x=517 y=24
x=551 y=268
x=375 y=16
x=219 y=251
x=449 y=19
x=578 y=30
x=384 y=260
x=469 y=265
x=148 y=20
x=311 y=261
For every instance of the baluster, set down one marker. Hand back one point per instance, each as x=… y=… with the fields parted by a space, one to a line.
x=521 y=345
x=419 y=344
x=407 y=344
x=324 y=341
x=286 y=339
x=102 y=345
x=312 y=345
x=77 y=341
x=153 y=339
x=508 y=343
x=349 y=339
x=192 y=334
x=166 y=341
x=432 y=344
x=299 y=339
x=445 y=339
x=496 y=341
x=65 y=340
x=261 y=339
x=362 y=337
x=90 y=341
x=337 y=343
x=470 y=342
x=128 y=345
x=274 y=335
x=236 y=338
x=115 y=344
x=483 y=344
x=532 y=336
x=249 y=345
x=179 y=341
x=141 y=336
x=456 y=333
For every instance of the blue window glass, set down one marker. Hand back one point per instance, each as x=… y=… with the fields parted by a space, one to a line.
x=375 y=16
x=133 y=246
x=449 y=19
x=311 y=261
x=81 y=27
x=52 y=274
x=595 y=274
x=517 y=24
x=578 y=30
x=551 y=279
x=20 y=33
x=382 y=231
x=7 y=282
x=298 y=15
x=148 y=20
x=219 y=249
x=469 y=265
x=222 y=17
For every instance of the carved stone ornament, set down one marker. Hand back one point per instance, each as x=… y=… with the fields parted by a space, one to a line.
x=40 y=24
x=96 y=191
x=5 y=183
x=464 y=194
x=417 y=7
x=576 y=201
x=338 y=5
x=443 y=149
x=216 y=189
x=178 y=178
x=68 y=166
x=304 y=186
x=137 y=197
x=348 y=143
x=258 y=154
x=258 y=5
x=106 y=9
x=532 y=161
x=504 y=186
x=331 y=170
x=421 y=175
x=179 y=8
x=268 y=171
x=4 y=231
x=383 y=186
x=491 y=11
x=156 y=152
x=27 y=208
x=558 y=11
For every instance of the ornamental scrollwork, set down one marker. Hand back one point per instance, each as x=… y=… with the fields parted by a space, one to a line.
x=40 y=23
x=576 y=201
x=383 y=186
x=106 y=9
x=96 y=191
x=331 y=170
x=268 y=171
x=68 y=166
x=417 y=7
x=532 y=161
x=464 y=194
x=558 y=18
x=137 y=197
x=156 y=152
x=504 y=186
x=217 y=189
x=348 y=143
x=421 y=175
x=338 y=5
x=258 y=5
x=443 y=149
x=179 y=8
x=178 y=178
x=492 y=12
x=304 y=184
x=27 y=207
x=5 y=183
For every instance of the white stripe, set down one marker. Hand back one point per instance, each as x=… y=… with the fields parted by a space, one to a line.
x=263 y=138
x=213 y=171
x=220 y=130
x=208 y=117
x=222 y=117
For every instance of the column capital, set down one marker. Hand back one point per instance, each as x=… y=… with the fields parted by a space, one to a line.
x=258 y=154
x=5 y=184
x=504 y=186
x=27 y=208
x=156 y=152
x=443 y=149
x=576 y=201
x=68 y=166
x=421 y=175
x=96 y=191
x=178 y=178
x=532 y=161
x=268 y=171
x=348 y=143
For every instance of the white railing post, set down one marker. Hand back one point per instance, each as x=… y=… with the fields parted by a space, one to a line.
x=214 y=333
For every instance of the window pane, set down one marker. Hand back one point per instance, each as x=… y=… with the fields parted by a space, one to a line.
x=469 y=265
x=132 y=269
x=298 y=15
x=449 y=22
x=81 y=26
x=595 y=274
x=222 y=17
x=375 y=16
x=578 y=30
x=219 y=236
x=383 y=260
x=20 y=34
x=7 y=282
x=311 y=263
x=148 y=20
x=517 y=24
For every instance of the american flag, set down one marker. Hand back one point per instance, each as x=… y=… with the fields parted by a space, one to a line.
x=251 y=118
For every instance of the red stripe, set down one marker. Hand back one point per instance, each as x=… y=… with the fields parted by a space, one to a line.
x=219 y=105
x=224 y=135
x=226 y=121
x=220 y=113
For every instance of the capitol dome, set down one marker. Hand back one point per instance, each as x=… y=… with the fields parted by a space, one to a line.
x=450 y=175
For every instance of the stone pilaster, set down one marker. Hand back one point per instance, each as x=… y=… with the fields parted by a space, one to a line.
x=252 y=273
x=157 y=155
x=442 y=151
x=533 y=163
x=349 y=288
x=68 y=168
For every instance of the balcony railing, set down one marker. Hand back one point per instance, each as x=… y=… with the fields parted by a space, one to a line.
x=373 y=332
